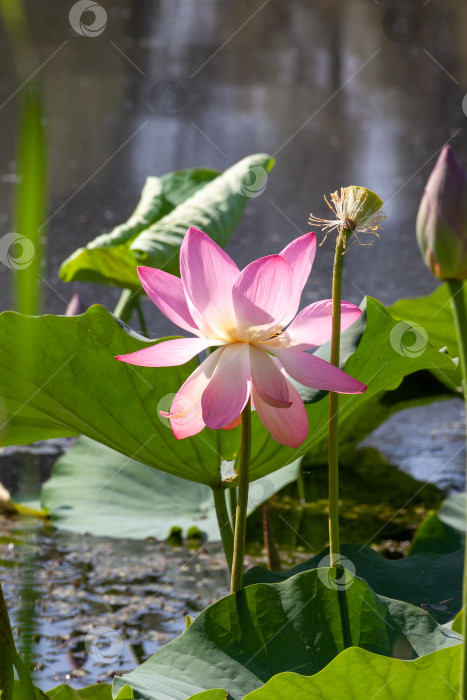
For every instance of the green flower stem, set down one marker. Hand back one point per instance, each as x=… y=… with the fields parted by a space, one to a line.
x=233 y=505
x=242 y=467
x=9 y=657
x=223 y=521
x=334 y=543
x=27 y=687
x=456 y=289
x=334 y=546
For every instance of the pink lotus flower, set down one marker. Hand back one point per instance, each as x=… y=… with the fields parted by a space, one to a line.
x=244 y=314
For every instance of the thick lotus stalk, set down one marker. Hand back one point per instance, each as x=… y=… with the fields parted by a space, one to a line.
x=442 y=219
x=356 y=210
x=457 y=291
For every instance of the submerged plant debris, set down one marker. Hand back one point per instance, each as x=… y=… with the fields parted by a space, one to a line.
x=136 y=594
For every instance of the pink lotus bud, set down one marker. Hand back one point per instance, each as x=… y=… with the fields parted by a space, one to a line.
x=75 y=306
x=442 y=219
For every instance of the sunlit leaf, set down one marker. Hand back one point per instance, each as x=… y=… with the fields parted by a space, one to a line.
x=366 y=676
x=433 y=315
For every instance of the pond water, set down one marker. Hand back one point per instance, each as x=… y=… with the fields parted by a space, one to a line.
x=103 y=605
x=340 y=93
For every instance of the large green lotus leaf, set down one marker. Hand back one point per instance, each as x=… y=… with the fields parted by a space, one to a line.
x=375 y=359
x=243 y=640
x=107 y=258
x=102 y=492
x=456 y=624
x=367 y=676
x=417 y=389
x=452 y=512
x=168 y=207
x=435 y=536
x=420 y=579
x=433 y=317
x=216 y=209
x=443 y=531
x=72 y=385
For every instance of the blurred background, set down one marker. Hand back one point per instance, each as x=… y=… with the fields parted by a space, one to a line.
x=362 y=92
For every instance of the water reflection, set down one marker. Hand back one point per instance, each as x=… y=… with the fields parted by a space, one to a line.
x=341 y=94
